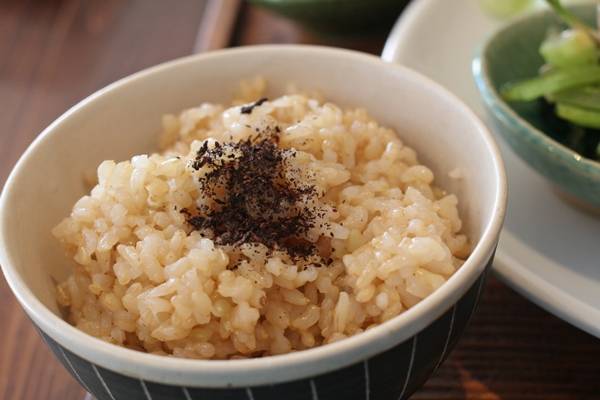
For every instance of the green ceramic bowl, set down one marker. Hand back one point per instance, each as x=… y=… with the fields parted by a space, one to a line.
x=338 y=16
x=531 y=131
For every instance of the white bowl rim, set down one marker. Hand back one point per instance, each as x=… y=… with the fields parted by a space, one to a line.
x=272 y=369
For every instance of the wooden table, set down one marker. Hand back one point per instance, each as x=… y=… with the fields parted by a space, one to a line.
x=53 y=53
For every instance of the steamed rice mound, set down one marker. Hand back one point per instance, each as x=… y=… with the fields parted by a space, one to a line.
x=145 y=279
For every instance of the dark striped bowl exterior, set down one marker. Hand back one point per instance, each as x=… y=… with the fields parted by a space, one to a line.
x=394 y=374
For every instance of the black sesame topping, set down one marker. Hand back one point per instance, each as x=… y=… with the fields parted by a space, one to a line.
x=256 y=196
x=248 y=109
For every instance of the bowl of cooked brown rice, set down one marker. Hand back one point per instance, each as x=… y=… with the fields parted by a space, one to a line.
x=256 y=223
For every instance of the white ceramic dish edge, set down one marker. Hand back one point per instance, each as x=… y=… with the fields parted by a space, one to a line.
x=508 y=267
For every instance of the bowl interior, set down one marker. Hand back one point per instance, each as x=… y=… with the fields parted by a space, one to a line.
x=124 y=119
x=513 y=54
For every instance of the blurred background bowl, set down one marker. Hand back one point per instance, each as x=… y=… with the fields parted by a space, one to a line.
x=339 y=16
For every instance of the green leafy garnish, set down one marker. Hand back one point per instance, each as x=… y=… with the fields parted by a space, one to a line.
x=550 y=82
x=585 y=97
x=569 y=48
x=505 y=8
x=572 y=19
x=578 y=115
x=569 y=81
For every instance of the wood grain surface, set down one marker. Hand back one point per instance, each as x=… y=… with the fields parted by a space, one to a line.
x=53 y=53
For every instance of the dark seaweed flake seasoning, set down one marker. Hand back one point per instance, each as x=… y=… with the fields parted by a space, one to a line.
x=256 y=196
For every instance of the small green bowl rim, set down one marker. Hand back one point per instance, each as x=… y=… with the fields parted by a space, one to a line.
x=503 y=111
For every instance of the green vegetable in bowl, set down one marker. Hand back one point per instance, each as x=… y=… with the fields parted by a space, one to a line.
x=570 y=79
x=584 y=97
x=572 y=20
x=552 y=81
x=578 y=115
x=505 y=8
x=569 y=48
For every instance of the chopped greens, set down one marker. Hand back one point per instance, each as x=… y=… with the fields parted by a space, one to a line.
x=579 y=115
x=572 y=20
x=505 y=8
x=569 y=81
x=584 y=97
x=569 y=48
x=550 y=82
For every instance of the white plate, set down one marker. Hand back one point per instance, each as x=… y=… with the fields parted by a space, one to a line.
x=548 y=251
